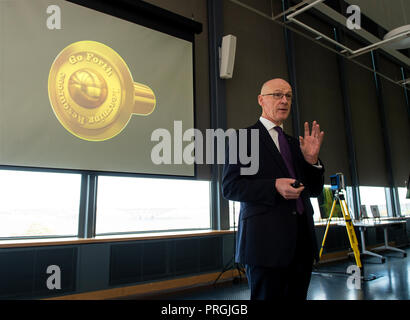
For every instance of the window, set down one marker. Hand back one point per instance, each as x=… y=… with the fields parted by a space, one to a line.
x=322 y=205
x=374 y=196
x=37 y=204
x=316 y=209
x=234 y=207
x=404 y=203
x=237 y=205
x=142 y=204
x=350 y=203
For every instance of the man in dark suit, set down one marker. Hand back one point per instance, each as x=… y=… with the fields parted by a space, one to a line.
x=276 y=239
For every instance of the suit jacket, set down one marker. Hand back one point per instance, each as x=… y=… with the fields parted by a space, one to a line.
x=267 y=228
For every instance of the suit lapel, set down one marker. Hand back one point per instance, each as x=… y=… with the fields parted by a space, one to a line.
x=266 y=139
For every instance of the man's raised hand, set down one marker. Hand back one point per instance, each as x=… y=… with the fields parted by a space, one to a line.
x=310 y=144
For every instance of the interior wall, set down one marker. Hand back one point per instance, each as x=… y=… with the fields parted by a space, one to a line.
x=260 y=56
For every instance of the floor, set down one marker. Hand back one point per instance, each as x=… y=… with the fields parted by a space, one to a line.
x=382 y=281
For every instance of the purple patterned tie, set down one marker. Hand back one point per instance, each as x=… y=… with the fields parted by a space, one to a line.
x=287 y=157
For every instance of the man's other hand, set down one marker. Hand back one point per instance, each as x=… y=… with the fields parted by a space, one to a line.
x=283 y=186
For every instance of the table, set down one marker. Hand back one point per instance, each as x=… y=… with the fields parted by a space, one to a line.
x=362 y=225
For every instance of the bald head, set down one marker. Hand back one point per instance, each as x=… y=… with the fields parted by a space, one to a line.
x=274 y=84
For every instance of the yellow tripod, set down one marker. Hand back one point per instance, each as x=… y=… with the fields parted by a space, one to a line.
x=340 y=198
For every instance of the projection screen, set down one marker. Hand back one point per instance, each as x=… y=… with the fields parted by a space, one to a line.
x=83 y=90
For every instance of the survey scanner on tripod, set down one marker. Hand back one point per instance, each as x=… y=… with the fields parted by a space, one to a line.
x=337 y=182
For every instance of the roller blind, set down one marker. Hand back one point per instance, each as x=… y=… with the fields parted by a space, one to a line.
x=320 y=98
x=370 y=156
x=397 y=121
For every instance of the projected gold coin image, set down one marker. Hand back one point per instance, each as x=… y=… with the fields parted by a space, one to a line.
x=92 y=92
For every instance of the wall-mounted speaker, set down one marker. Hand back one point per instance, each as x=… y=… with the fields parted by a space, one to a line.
x=227 y=56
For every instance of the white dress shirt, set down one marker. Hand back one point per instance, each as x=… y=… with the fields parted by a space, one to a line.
x=269 y=125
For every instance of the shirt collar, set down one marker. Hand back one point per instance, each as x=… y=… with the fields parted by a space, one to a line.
x=269 y=124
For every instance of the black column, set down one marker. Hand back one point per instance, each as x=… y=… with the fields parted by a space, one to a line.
x=290 y=49
x=404 y=76
x=385 y=132
x=219 y=205
x=338 y=36
x=88 y=201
